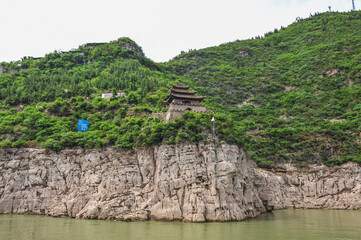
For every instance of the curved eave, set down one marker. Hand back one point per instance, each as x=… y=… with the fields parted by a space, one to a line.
x=184 y=97
x=181 y=91
x=180 y=87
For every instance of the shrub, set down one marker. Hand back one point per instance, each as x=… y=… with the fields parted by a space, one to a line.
x=5 y=144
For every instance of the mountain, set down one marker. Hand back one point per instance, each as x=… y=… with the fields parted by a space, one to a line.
x=290 y=96
x=293 y=94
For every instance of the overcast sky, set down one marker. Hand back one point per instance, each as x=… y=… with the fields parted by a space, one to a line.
x=163 y=28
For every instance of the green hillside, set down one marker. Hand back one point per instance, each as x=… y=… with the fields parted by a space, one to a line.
x=42 y=100
x=293 y=95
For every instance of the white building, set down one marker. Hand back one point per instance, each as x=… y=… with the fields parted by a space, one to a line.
x=109 y=94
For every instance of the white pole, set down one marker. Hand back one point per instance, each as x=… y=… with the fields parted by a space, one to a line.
x=215 y=150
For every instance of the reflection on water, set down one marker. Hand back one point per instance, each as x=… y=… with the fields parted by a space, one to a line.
x=284 y=224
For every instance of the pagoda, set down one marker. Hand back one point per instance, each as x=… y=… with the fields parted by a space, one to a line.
x=182 y=99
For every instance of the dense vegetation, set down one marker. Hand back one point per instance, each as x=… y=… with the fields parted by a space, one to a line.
x=293 y=95
x=42 y=101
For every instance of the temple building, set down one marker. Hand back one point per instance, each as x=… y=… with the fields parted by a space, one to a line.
x=182 y=99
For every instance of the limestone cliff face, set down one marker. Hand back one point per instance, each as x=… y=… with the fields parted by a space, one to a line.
x=169 y=182
x=316 y=187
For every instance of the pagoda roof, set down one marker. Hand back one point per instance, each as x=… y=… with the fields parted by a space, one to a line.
x=184 y=96
x=182 y=91
x=180 y=86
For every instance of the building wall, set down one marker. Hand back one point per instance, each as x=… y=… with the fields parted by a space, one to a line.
x=109 y=95
x=176 y=110
x=189 y=107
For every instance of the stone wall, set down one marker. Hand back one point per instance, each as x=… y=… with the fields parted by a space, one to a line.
x=159 y=115
x=176 y=110
x=169 y=182
x=9 y=70
x=184 y=107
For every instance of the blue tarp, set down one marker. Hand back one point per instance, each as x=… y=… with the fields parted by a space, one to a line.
x=83 y=125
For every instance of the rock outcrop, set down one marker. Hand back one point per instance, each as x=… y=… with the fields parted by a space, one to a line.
x=317 y=187
x=169 y=182
x=10 y=70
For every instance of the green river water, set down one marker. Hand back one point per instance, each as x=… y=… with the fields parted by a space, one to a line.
x=283 y=224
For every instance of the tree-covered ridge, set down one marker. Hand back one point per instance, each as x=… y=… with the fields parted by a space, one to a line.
x=41 y=103
x=85 y=71
x=290 y=96
x=294 y=94
x=289 y=57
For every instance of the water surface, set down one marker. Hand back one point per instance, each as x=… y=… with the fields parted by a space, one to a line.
x=284 y=224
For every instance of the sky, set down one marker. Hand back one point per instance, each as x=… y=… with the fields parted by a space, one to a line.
x=163 y=28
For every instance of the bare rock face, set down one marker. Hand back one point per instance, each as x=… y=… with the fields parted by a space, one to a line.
x=317 y=187
x=169 y=182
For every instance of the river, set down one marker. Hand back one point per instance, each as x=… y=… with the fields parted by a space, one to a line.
x=282 y=224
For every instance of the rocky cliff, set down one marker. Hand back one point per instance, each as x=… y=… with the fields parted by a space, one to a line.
x=169 y=182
